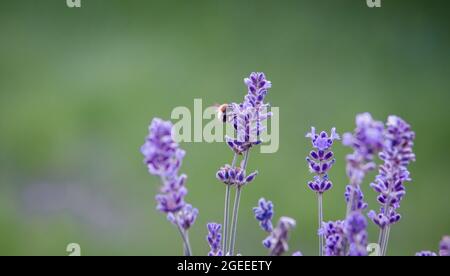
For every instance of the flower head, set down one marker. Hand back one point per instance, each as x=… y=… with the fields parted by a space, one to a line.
x=235 y=176
x=277 y=241
x=162 y=154
x=258 y=86
x=322 y=141
x=320 y=160
x=163 y=157
x=264 y=213
x=367 y=139
x=214 y=237
x=397 y=154
x=247 y=117
x=185 y=218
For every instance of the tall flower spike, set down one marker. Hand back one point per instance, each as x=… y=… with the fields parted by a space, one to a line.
x=397 y=154
x=214 y=237
x=320 y=161
x=277 y=241
x=248 y=117
x=163 y=158
x=264 y=213
x=247 y=120
x=366 y=141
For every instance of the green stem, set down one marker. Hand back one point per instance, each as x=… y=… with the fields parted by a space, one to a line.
x=236 y=208
x=227 y=210
x=320 y=207
x=234 y=222
x=185 y=237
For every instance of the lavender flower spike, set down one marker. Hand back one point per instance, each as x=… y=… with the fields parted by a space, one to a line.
x=366 y=141
x=277 y=241
x=356 y=234
x=163 y=158
x=214 y=238
x=444 y=246
x=320 y=161
x=264 y=213
x=247 y=119
x=397 y=154
x=335 y=238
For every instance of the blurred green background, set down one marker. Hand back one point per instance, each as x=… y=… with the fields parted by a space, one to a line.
x=78 y=88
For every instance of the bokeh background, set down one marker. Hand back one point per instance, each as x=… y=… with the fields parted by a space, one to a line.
x=78 y=88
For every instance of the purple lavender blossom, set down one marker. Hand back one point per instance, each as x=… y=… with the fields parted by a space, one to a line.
x=321 y=159
x=335 y=238
x=247 y=117
x=173 y=191
x=235 y=176
x=425 y=254
x=297 y=254
x=444 y=246
x=397 y=154
x=162 y=154
x=186 y=217
x=356 y=234
x=366 y=142
x=258 y=86
x=247 y=120
x=214 y=237
x=358 y=197
x=264 y=213
x=277 y=241
x=163 y=158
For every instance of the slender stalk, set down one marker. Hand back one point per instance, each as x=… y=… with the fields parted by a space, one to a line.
x=186 y=244
x=384 y=234
x=319 y=200
x=236 y=208
x=386 y=240
x=234 y=222
x=227 y=210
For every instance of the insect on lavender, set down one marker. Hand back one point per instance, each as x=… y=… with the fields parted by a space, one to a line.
x=247 y=120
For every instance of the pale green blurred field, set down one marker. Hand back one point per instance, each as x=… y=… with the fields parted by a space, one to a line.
x=79 y=87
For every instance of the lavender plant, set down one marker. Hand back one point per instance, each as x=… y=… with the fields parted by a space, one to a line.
x=397 y=154
x=320 y=161
x=214 y=237
x=367 y=142
x=163 y=158
x=392 y=142
x=247 y=120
